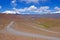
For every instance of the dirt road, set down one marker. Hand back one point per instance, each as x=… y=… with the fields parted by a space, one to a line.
x=15 y=32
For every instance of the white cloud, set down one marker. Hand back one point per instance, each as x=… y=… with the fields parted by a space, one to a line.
x=13 y=1
x=43 y=0
x=56 y=12
x=31 y=8
x=9 y=12
x=43 y=8
x=57 y=8
x=29 y=1
x=34 y=1
x=34 y=9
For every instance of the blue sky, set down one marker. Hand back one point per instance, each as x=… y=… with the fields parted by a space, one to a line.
x=6 y=5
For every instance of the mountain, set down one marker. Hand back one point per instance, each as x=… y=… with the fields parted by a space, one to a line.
x=57 y=15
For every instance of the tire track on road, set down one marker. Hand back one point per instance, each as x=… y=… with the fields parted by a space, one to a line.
x=33 y=26
x=15 y=32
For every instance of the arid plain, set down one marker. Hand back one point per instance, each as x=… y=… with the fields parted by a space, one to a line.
x=20 y=27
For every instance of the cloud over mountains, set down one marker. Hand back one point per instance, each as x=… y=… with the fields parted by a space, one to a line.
x=32 y=9
x=35 y=10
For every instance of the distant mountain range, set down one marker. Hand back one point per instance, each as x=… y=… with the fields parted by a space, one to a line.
x=57 y=15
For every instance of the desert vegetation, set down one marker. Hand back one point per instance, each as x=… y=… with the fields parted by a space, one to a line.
x=48 y=22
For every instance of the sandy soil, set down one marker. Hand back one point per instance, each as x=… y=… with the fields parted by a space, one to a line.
x=24 y=25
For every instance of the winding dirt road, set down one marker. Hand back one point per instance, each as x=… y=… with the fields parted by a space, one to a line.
x=41 y=28
x=15 y=32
